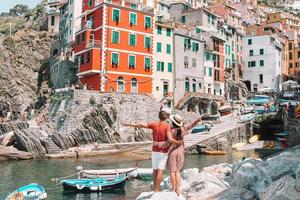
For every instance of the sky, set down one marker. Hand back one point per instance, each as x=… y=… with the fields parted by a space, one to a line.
x=5 y=5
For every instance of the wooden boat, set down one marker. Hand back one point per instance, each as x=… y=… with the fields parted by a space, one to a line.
x=258 y=100
x=254 y=139
x=210 y=117
x=199 y=129
x=94 y=185
x=108 y=173
x=225 y=110
x=247 y=117
x=213 y=152
x=238 y=145
x=31 y=191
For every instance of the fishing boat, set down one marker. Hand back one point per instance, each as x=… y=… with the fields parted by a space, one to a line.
x=225 y=110
x=207 y=117
x=108 y=173
x=238 y=145
x=94 y=185
x=248 y=109
x=31 y=191
x=247 y=117
x=254 y=139
x=199 y=129
x=258 y=100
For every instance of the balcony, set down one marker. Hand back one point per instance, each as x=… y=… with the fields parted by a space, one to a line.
x=51 y=2
x=53 y=11
x=94 y=44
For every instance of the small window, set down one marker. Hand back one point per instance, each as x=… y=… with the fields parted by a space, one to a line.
x=158 y=47
x=147 y=22
x=290 y=46
x=249 y=41
x=160 y=66
x=210 y=72
x=131 y=61
x=168 y=32
x=115 y=59
x=132 y=39
x=147 y=63
x=133 y=6
x=88 y=56
x=261 y=63
x=291 y=65
x=82 y=59
x=170 y=67
x=78 y=39
x=195 y=46
x=251 y=53
x=261 y=78
x=251 y=64
x=290 y=56
x=116 y=15
x=261 y=52
x=52 y=20
x=168 y=49
x=147 y=42
x=182 y=19
x=132 y=19
x=187 y=85
x=186 y=62
x=115 y=37
x=159 y=30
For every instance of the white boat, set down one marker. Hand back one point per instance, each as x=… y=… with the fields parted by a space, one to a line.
x=247 y=117
x=108 y=173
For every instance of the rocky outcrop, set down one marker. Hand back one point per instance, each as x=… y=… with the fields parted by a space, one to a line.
x=274 y=179
x=12 y=126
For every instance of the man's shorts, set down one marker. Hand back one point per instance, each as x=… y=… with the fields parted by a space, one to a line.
x=159 y=160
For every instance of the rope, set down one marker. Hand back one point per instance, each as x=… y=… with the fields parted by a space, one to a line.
x=57 y=179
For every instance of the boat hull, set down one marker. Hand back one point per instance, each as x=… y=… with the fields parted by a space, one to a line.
x=31 y=191
x=130 y=172
x=94 y=188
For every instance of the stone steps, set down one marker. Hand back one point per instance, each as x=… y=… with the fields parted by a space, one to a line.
x=53 y=148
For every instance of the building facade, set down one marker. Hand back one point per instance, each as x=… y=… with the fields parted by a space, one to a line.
x=53 y=13
x=163 y=67
x=188 y=62
x=114 y=46
x=262 y=56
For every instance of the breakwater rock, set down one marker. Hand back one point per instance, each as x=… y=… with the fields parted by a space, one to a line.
x=275 y=178
x=83 y=117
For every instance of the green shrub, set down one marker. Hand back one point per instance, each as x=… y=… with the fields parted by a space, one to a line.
x=9 y=42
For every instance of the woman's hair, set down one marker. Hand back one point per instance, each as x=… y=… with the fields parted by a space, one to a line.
x=163 y=115
x=178 y=135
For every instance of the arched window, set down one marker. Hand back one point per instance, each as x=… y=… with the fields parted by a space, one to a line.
x=194 y=85
x=134 y=85
x=187 y=85
x=120 y=84
x=55 y=52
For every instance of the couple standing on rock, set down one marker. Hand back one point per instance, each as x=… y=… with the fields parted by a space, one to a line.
x=168 y=147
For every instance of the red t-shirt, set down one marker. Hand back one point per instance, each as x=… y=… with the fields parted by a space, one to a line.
x=159 y=134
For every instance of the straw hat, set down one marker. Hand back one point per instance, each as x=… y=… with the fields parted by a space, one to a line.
x=177 y=119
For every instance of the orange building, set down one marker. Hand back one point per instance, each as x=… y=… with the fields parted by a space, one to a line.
x=114 y=46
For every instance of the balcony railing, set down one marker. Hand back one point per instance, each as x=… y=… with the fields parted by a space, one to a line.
x=53 y=1
x=94 y=44
x=52 y=11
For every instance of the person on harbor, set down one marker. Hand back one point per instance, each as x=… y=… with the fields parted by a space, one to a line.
x=161 y=133
x=176 y=152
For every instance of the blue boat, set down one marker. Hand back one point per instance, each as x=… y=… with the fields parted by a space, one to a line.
x=258 y=100
x=94 y=185
x=282 y=134
x=199 y=129
x=31 y=191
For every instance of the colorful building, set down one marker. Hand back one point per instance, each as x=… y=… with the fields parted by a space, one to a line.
x=114 y=46
x=163 y=61
x=188 y=62
x=53 y=12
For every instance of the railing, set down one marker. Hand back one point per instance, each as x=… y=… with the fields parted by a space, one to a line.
x=53 y=1
x=52 y=11
x=94 y=43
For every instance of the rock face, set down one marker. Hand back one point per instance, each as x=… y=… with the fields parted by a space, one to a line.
x=12 y=126
x=86 y=117
x=21 y=67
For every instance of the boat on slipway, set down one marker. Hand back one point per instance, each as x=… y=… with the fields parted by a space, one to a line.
x=94 y=185
x=31 y=191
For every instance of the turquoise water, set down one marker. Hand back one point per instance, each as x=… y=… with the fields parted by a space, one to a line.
x=15 y=174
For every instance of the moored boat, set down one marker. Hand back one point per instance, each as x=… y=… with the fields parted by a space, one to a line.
x=94 y=185
x=258 y=100
x=225 y=110
x=247 y=117
x=108 y=173
x=31 y=191
x=207 y=117
x=254 y=139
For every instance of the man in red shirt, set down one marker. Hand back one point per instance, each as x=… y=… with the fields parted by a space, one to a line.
x=161 y=133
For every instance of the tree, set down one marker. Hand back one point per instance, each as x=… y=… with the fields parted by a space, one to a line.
x=19 y=9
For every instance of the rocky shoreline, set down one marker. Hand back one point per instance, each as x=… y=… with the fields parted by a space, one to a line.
x=276 y=178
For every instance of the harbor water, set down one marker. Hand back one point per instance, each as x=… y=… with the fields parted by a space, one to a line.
x=18 y=173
